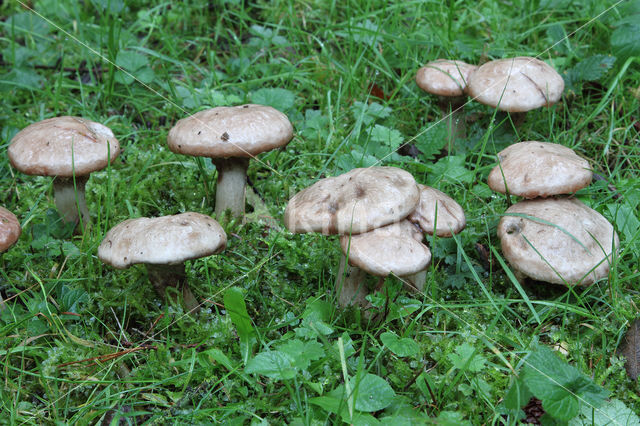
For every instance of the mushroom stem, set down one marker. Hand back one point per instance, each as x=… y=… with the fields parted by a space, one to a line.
x=415 y=283
x=230 y=189
x=70 y=200
x=351 y=285
x=164 y=276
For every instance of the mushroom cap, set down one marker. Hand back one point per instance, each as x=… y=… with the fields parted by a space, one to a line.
x=557 y=257
x=165 y=240
x=46 y=148
x=450 y=218
x=237 y=131
x=445 y=77
x=354 y=202
x=516 y=84
x=393 y=249
x=539 y=169
x=9 y=229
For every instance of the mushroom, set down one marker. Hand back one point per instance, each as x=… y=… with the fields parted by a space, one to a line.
x=560 y=241
x=352 y=203
x=163 y=244
x=516 y=85
x=437 y=213
x=230 y=136
x=448 y=80
x=539 y=169
x=392 y=249
x=9 y=229
x=9 y=233
x=69 y=148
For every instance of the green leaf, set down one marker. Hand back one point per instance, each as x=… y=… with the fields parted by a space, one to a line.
x=625 y=40
x=274 y=364
x=431 y=140
x=451 y=168
x=593 y=68
x=517 y=396
x=390 y=138
x=372 y=392
x=281 y=99
x=451 y=418
x=467 y=359
x=302 y=353
x=369 y=113
x=560 y=386
x=625 y=218
x=237 y=310
x=613 y=412
x=399 y=346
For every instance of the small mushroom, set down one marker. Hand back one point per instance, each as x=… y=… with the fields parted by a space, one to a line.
x=9 y=233
x=539 y=169
x=437 y=213
x=516 y=85
x=352 y=203
x=392 y=249
x=230 y=136
x=163 y=244
x=9 y=229
x=448 y=80
x=68 y=148
x=559 y=241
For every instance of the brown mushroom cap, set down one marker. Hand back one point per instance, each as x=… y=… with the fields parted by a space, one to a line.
x=395 y=248
x=46 y=148
x=162 y=240
x=557 y=257
x=238 y=131
x=450 y=218
x=445 y=77
x=354 y=202
x=539 y=169
x=516 y=84
x=9 y=229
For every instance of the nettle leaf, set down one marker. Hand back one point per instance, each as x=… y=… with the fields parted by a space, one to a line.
x=391 y=138
x=302 y=353
x=369 y=113
x=281 y=99
x=467 y=358
x=559 y=385
x=136 y=65
x=431 y=140
x=517 y=396
x=373 y=393
x=399 y=346
x=274 y=364
x=594 y=67
x=366 y=32
x=625 y=218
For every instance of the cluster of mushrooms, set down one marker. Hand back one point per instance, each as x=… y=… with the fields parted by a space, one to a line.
x=380 y=213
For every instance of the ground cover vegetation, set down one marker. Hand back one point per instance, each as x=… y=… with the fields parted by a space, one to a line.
x=83 y=343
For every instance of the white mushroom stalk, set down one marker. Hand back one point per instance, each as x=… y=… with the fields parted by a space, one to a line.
x=70 y=199
x=230 y=136
x=231 y=185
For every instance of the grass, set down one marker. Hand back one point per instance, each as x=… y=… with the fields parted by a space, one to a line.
x=83 y=343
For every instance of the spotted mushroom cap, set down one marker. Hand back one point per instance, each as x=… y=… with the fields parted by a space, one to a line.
x=9 y=229
x=46 y=148
x=569 y=243
x=438 y=212
x=354 y=202
x=165 y=240
x=539 y=169
x=237 y=131
x=395 y=248
x=445 y=77
x=516 y=84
